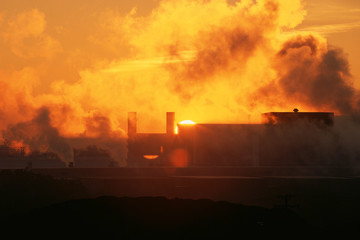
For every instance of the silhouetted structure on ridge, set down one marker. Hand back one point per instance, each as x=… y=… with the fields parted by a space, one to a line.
x=15 y=157
x=92 y=157
x=320 y=118
x=282 y=139
x=150 y=149
x=199 y=145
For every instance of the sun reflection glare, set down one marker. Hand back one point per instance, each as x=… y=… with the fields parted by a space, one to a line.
x=151 y=157
x=187 y=122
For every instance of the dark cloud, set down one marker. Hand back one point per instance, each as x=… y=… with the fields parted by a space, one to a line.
x=311 y=77
x=299 y=42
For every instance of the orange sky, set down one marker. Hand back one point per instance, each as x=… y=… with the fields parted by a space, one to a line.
x=208 y=61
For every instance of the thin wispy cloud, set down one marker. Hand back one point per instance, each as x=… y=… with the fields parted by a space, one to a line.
x=141 y=64
x=330 y=19
x=327 y=29
x=327 y=12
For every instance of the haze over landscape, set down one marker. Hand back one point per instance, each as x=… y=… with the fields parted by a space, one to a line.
x=70 y=71
x=84 y=141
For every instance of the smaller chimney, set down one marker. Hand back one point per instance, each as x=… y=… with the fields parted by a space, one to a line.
x=170 y=123
x=132 y=123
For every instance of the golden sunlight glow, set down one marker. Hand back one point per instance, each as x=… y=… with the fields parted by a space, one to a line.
x=187 y=122
x=227 y=63
x=141 y=64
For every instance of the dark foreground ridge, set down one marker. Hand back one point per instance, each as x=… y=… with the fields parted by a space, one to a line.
x=158 y=217
x=34 y=203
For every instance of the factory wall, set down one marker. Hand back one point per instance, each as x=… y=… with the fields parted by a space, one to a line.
x=293 y=139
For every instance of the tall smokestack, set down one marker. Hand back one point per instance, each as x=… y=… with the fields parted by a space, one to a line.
x=170 y=123
x=131 y=123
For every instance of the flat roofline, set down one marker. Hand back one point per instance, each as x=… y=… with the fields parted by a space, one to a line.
x=150 y=133
x=301 y=112
x=222 y=124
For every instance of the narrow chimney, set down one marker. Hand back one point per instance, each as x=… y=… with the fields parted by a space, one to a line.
x=170 y=123
x=131 y=123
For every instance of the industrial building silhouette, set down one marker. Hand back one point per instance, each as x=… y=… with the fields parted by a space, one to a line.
x=281 y=139
x=207 y=145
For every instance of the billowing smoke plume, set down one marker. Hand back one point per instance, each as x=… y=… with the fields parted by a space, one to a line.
x=209 y=61
x=99 y=133
x=312 y=75
x=39 y=135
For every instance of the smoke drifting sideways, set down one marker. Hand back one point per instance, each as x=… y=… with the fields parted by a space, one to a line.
x=209 y=61
x=38 y=135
